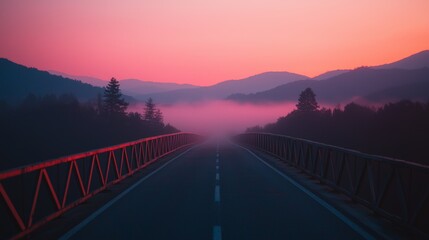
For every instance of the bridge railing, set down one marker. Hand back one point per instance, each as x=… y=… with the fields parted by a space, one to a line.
x=395 y=189
x=32 y=195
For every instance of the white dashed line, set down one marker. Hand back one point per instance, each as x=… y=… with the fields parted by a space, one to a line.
x=217 y=194
x=217 y=233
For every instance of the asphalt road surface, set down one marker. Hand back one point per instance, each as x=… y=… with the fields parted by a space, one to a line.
x=216 y=192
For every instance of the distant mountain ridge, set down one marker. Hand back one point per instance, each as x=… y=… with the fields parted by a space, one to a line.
x=85 y=79
x=364 y=83
x=375 y=83
x=18 y=81
x=415 y=61
x=330 y=74
x=133 y=87
x=407 y=78
x=223 y=89
x=237 y=89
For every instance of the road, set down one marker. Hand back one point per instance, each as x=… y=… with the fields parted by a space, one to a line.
x=213 y=192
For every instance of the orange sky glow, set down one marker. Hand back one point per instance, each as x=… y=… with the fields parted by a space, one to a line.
x=205 y=42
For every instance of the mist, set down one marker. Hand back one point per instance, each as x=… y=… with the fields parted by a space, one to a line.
x=220 y=117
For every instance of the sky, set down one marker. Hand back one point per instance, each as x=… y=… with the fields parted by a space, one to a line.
x=205 y=42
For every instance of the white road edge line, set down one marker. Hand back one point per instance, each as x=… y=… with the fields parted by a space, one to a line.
x=217 y=194
x=217 y=233
x=95 y=214
x=323 y=203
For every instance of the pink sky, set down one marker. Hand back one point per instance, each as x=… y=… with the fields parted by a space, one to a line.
x=204 y=42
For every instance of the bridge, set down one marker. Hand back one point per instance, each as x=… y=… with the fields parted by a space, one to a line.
x=180 y=186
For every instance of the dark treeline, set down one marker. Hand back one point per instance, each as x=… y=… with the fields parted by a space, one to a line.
x=398 y=130
x=42 y=128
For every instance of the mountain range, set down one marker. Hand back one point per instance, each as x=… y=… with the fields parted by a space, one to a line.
x=18 y=81
x=415 y=61
x=360 y=84
x=168 y=93
x=406 y=78
x=263 y=81
x=132 y=87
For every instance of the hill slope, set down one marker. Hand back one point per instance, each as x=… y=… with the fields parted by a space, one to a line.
x=133 y=87
x=415 y=61
x=18 y=81
x=221 y=90
x=360 y=83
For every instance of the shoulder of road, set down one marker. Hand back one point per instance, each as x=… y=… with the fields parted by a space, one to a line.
x=359 y=214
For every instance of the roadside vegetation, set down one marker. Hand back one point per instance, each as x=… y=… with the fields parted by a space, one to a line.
x=42 y=128
x=399 y=130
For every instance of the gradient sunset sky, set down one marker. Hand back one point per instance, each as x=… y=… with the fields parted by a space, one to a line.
x=204 y=42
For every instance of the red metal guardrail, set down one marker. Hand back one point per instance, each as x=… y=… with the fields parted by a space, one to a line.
x=395 y=189
x=32 y=195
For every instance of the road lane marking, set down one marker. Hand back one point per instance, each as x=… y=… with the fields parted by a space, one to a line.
x=94 y=215
x=217 y=233
x=217 y=194
x=322 y=202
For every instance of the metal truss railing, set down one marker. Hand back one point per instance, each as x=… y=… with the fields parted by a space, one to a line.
x=32 y=195
x=395 y=189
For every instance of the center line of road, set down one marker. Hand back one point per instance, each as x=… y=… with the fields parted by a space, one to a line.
x=217 y=194
x=217 y=233
x=217 y=230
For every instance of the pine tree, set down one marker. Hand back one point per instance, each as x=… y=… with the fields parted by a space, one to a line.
x=307 y=101
x=149 y=110
x=99 y=105
x=153 y=114
x=113 y=101
x=158 y=118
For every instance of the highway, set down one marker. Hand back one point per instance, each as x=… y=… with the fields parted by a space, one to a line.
x=216 y=192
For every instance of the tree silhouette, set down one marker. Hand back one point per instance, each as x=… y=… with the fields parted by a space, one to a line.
x=152 y=114
x=113 y=101
x=307 y=101
x=149 y=110
x=158 y=116
x=398 y=130
x=53 y=117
